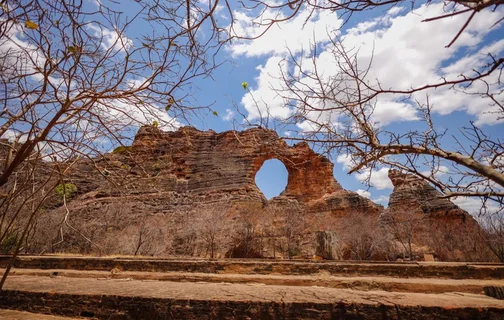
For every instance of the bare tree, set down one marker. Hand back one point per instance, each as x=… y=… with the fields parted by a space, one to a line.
x=286 y=223
x=338 y=109
x=77 y=79
x=363 y=237
x=212 y=228
x=473 y=164
x=248 y=237
x=402 y=225
x=270 y=13
x=493 y=234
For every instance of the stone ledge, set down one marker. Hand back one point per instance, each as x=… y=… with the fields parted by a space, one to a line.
x=119 y=299
x=390 y=284
x=342 y=268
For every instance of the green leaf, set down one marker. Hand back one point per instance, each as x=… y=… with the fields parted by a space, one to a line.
x=31 y=25
x=215 y=113
x=67 y=190
x=167 y=108
x=72 y=49
x=155 y=123
x=245 y=85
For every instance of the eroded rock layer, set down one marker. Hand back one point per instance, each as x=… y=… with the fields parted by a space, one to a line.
x=193 y=193
x=211 y=161
x=414 y=194
x=417 y=212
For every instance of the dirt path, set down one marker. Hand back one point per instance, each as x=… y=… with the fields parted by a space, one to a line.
x=244 y=292
x=419 y=285
x=21 y=315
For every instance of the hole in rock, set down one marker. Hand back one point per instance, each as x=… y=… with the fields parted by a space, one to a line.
x=271 y=178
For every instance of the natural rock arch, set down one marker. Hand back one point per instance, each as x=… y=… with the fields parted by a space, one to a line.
x=230 y=160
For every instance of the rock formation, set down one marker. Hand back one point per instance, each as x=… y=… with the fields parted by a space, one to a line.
x=328 y=246
x=412 y=193
x=434 y=224
x=177 y=192
x=229 y=161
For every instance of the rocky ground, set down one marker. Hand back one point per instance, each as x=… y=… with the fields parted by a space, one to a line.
x=244 y=290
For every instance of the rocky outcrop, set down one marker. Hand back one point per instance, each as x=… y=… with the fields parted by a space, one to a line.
x=417 y=211
x=230 y=160
x=411 y=193
x=160 y=195
x=328 y=246
x=191 y=192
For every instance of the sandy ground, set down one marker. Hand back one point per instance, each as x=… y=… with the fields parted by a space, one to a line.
x=244 y=292
x=365 y=283
x=21 y=315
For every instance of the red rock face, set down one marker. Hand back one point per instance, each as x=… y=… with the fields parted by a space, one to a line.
x=230 y=160
x=437 y=225
x=158 y=196
x=414 y=194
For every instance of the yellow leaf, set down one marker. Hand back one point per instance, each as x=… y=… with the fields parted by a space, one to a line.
x=72 y=49
x=31 y=25
x=245 y=85
x=171 y=101
x=167 y=108
x=215 y=113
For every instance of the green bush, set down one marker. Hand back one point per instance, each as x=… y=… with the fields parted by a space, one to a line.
x=9 y=243
x=66 y=189
x=294 y=252
x=121 y=149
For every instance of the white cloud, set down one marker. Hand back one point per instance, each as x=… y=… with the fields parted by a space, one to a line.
x=377 y=178
x=386 y=112
x=96 y=2
x=229 y=115
x=12 y=136
x=123 y=113
x=405 y=51
x=137 y=83
x=364 y=193
x=20 y=58
x=394 y=11
x=114 y=39
x=295 y=35
x=383 y=200
x=263 y=101
x=474 y=205
x=345 y=160
x=438 y=172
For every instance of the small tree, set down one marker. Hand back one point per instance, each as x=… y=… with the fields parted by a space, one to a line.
x=493 y=233
x=288 y=223
x=363 y=236
x=211 y=228
x=402 y=226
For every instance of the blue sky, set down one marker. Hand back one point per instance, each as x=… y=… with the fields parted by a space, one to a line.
x=406 y=52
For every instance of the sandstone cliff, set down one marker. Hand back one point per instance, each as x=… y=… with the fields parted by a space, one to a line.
x=192 y=192
x=411 y=193
x=418 y=213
